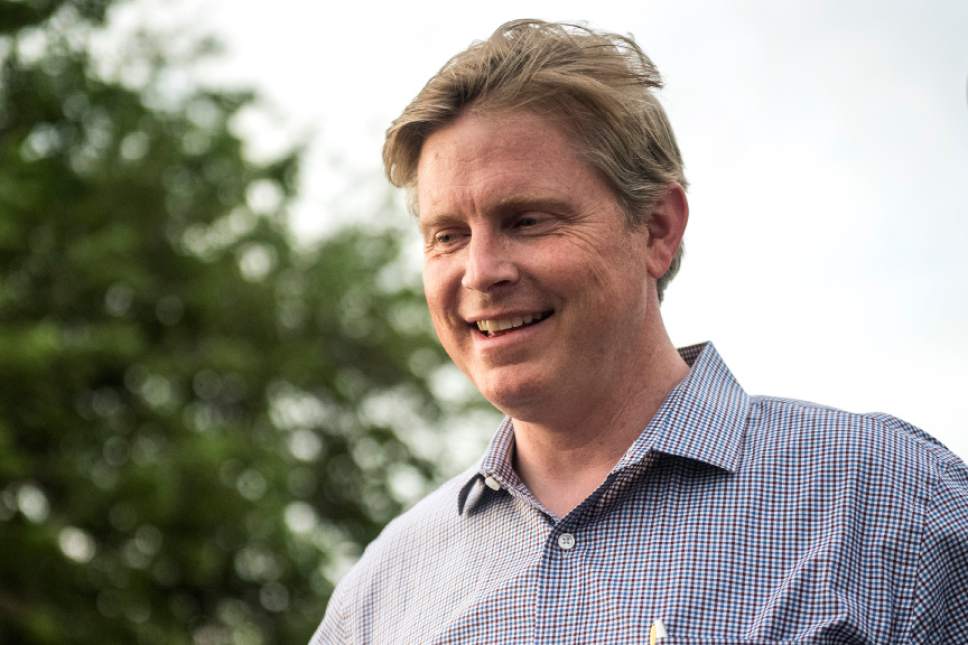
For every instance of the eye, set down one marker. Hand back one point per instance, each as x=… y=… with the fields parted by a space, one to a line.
x=446 y=239
x=531 y=221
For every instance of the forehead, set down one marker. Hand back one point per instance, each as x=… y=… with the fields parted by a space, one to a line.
x=483 y=159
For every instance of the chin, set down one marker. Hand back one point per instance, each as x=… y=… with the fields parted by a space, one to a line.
x=515 y=399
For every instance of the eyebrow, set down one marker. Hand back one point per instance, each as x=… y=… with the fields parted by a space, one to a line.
x=533 y=203
x=436 y=221
x=504 y=205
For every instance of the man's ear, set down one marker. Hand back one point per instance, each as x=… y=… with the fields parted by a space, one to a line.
x=666 y=224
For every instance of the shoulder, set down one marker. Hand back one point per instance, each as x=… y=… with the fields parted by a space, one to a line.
x=398 y=558
x=884 y=487
x=426 y=525
x=429 y=520
x=883 y=472
x=838 y=439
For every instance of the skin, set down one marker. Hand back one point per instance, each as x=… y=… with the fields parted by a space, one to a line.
x=515 y=223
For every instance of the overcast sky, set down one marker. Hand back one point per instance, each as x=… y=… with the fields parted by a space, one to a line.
x=826 y=143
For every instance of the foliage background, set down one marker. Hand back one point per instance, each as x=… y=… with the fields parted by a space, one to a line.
x=200 y=422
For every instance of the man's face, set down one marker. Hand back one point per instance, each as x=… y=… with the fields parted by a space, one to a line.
x=537 y=288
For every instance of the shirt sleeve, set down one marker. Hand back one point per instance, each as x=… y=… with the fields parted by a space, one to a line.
x=940 y=610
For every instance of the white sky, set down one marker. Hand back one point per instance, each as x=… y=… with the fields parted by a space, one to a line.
x=826 y=144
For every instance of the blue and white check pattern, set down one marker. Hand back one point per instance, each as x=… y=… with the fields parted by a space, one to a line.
x=734 y=519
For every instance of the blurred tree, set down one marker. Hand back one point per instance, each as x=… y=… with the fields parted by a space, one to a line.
x=199 y=423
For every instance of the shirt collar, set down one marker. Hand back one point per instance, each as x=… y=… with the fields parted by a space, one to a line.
x=703 y=419
x=495 y=464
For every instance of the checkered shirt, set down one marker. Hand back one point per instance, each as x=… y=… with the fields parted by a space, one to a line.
x=733 y=519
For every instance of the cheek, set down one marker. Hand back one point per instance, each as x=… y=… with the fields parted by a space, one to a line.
x=440 y=301
x=616 y=284
x=432 y=284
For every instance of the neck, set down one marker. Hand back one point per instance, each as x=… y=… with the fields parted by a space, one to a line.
x=565 y=455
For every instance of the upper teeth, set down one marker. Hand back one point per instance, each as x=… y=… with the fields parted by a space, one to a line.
x=506 y=323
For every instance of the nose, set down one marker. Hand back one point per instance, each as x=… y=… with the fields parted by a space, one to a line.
x=488 y=264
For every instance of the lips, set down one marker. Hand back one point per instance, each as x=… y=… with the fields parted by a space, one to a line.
x=496 y=326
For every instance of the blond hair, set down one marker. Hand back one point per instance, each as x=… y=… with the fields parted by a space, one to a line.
x=599 y=86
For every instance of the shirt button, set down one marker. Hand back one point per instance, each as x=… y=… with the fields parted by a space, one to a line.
x=491 y=483
x=566 y=541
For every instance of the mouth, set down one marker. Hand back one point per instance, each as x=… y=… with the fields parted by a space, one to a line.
x=493 y=327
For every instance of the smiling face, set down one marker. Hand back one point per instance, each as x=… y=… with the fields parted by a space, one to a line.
x=537 y=288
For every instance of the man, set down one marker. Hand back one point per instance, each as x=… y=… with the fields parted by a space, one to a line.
x=633 y=491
